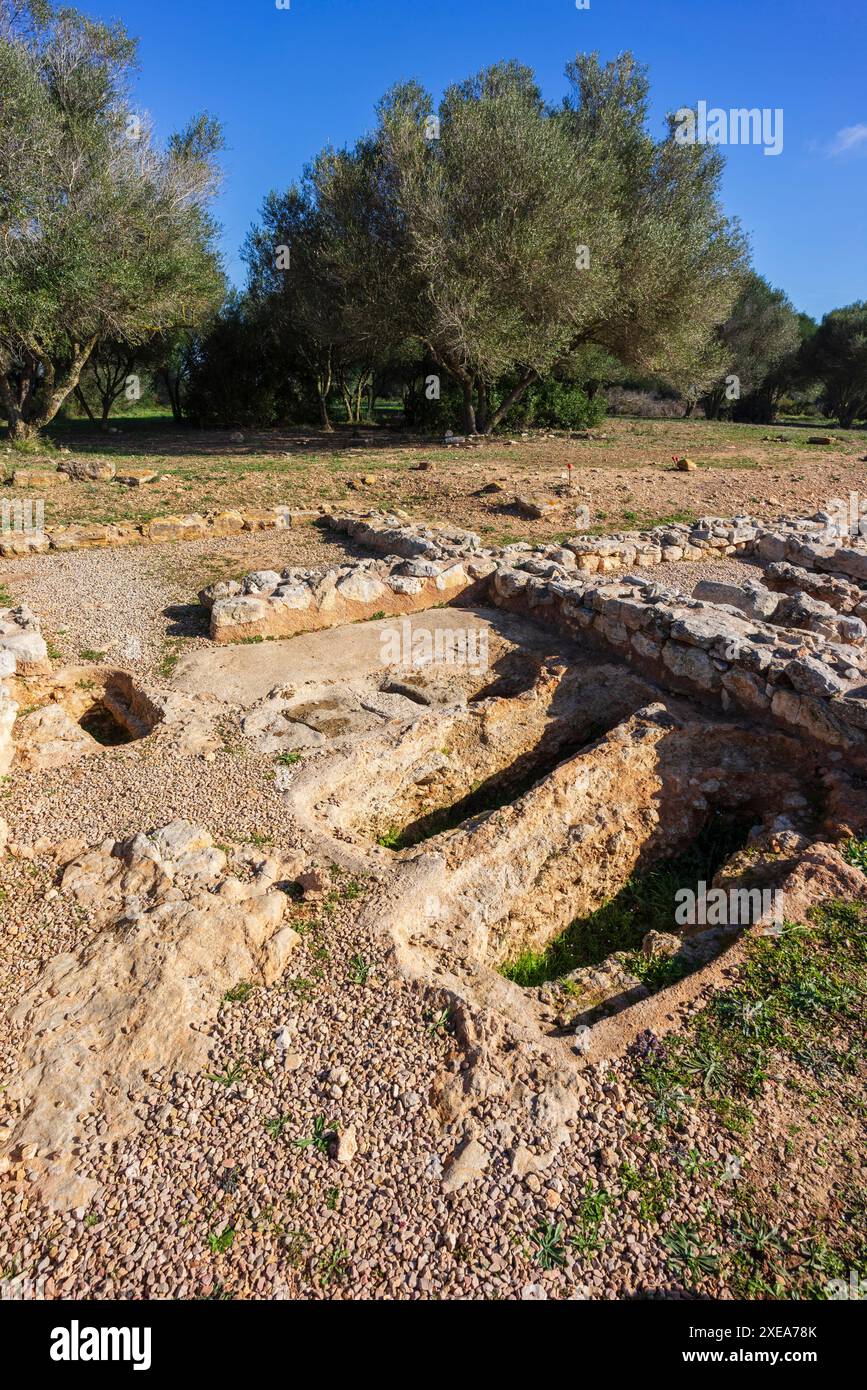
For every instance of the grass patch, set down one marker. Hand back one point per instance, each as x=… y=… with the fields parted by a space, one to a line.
x=795 y=996
x=794 y=1016
x=288 y=759
x=855 y=853
x=169 y=660
x=646 y=521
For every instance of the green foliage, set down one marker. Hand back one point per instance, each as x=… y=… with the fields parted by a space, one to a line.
x=107 y=237
x=556 y=405
x=836 y=356
x=333 y=1265
x=548 y=1244
x=219 y=1244
x=391 y=839
x=320 y=1138
x=239 y=993
x=422 y=251
x=687 y=1255
x=359 y=970
x=653 y=1190
x=233 y=1074
x=792 y=989
x=592 y=1210
x=855 y=852
x=276 y=1126
x=759 y=341
x=230 y=383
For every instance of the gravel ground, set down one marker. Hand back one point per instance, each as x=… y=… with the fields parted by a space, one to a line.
x=218 y=1194
x=221 y=1195
x=206 y=1162
x=131 y=605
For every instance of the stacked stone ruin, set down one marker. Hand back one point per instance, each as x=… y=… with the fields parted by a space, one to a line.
x=787 y=647
x=19 y=542
x=23 y=652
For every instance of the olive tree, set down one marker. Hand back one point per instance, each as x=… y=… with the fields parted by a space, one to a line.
x=836 y=356
x=761 y=335
x=103 y=235
x=503 y=235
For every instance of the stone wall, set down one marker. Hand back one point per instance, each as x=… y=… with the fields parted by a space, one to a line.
x=22 y=652
x=797 y=679
x=791 y=659
x=197 y=526
x=271 y=604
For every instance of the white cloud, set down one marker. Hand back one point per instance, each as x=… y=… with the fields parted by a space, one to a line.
x=851 y=139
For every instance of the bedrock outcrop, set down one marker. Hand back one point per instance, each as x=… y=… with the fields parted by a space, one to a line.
x=175 y=924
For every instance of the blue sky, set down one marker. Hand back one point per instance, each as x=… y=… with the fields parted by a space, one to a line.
x=286 y=82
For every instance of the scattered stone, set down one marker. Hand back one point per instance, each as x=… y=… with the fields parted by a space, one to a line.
x=136 y=477
x=467 y=1163
x=88 y=470
x=347 y=1145
x=36 y=478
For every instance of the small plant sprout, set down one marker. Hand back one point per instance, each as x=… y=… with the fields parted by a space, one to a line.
x=547 y=1241
x=276 y=1125
x=219 y=1243
x=320 y=1138
x=239 y=992
x=334 y=1265
x=359 y=969
x=288 y=759
x=233 y=1074
x=438 y=1023
x=686 y=1254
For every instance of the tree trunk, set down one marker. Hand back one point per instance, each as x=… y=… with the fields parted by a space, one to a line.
x=82 y=400
x=469 y=408
x=322 y=397
x=20 y=429
x=173 y=391
x=483 y=411
x=359 y=398
x=43 y=403
x=13 y=399
x=514 y=395
x=323 y=389
x=175 y=397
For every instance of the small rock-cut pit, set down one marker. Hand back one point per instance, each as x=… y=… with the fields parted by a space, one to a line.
x=100 y=722
x=76 y=712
